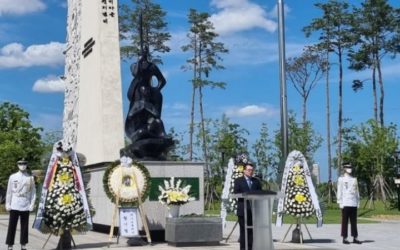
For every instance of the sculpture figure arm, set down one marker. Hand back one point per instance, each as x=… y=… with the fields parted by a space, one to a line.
x=157 y=73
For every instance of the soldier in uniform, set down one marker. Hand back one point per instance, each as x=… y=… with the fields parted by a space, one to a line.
x=348 y=198
x=20 y=200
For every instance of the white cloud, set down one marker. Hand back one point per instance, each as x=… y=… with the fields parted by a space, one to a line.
x=240 y=15
x=274 y=12
x=248 y=50
x=14 y=55
x=20 y=7
x=50 y=122
x=254 y=50
x=391 y=69
x=180 y=106
x=252 y=110
x=243 y=50
x=176 y=110
x=178 y=39
x=49 y=84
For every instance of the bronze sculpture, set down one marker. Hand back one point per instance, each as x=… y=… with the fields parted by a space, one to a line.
x=144 y=117
x=143 y=125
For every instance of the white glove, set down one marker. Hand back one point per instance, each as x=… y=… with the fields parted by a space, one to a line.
x=341 y=205
x=8 y=208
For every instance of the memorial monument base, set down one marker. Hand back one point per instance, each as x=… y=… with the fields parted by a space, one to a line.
x=156 y=212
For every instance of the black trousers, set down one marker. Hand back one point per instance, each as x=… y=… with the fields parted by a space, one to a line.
x=12 y=226
x=249 y=231
x=349 y=213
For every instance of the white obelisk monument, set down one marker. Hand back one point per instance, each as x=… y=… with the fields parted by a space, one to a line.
x=93 y=118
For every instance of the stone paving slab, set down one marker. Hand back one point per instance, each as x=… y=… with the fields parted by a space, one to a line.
x=377 y=236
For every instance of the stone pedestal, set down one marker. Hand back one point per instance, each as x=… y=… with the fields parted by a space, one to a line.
x=155 y=211
x=191 y=231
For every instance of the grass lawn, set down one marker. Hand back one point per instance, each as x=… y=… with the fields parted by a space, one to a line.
x=332 y=214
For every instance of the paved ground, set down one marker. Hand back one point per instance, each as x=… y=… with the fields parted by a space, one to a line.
x=378 y=236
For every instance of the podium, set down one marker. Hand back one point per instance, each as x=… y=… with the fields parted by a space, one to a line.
x=261 y=203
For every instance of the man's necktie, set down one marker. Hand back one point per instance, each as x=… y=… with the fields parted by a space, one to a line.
x=249 y=183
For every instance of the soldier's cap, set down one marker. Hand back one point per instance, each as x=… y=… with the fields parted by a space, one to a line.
x=347 y=165
x=22 y=161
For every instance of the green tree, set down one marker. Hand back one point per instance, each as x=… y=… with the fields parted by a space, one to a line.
x=206 y=56
x=334 y=27
x=371 y=147
x=377 y=28
x=154 y=28
x=49 y=139
x=301 y=138
x=18 y=138
x=263 y=152
x=224 y=139
x=178 y=151
x=229 y=139
x=304 y=72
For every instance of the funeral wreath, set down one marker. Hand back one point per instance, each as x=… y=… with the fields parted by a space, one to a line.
x=298 y=198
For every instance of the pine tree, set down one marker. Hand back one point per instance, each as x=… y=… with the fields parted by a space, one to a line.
x=377 y=28
x=335 y=36
x=153 y=26
x=206 y=57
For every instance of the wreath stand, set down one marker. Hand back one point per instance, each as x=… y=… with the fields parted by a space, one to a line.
x=60 y=243
x=233 y=229
x=140 y=209
x=298 y=226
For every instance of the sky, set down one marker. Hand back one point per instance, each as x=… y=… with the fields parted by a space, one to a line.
x=33 y=35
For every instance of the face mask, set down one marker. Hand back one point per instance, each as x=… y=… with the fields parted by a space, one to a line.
x=22 y=167
x=348 y=170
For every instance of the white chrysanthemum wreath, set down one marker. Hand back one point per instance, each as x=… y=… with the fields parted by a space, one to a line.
x=297 y=196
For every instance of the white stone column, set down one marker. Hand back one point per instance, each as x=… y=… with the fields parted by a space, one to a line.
x=93 y=118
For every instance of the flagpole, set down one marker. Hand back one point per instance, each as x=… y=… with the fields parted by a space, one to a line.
x=282 y=80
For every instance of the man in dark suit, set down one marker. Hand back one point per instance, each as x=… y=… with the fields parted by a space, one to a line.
x=245 y=184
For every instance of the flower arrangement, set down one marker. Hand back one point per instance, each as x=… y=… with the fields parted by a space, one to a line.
x=174 y=194
x=240 y=161
x=123 y=179
x=297 y=196
x=64 y=210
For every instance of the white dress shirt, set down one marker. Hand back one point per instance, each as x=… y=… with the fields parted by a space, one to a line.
x=21 y=192
x=347 y=192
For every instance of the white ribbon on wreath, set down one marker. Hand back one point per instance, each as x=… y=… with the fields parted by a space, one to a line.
x=294 y=157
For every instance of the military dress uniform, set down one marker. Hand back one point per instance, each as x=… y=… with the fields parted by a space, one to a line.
x=20 y=200
x=348 y=198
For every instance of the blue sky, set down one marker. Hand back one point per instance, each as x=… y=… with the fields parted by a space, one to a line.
x=32 y=38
